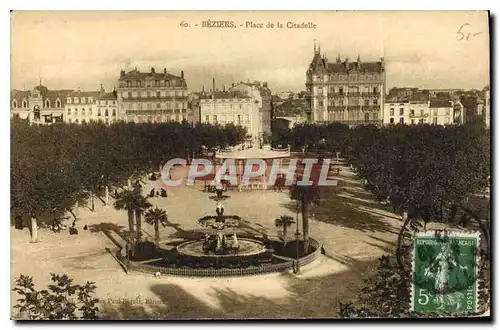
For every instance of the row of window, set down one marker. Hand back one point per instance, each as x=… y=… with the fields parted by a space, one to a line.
x=447 y=120
x=340 y=103
x=83 y=112
x=238 y=121
x=412 y=112
x=77 y=100
x=83 y=121
x=354 y=116
x=156 y=83
x=157 y=119
x=365 y=90
x=15 y=104
x=151 y=106
x=157 y=94
x=337 y=77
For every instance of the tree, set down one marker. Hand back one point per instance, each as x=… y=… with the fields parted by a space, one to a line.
x=284 y=221
x=126 y=200
x=306 y=195
x=156 y=217
x=58 y=302
x=141 y=204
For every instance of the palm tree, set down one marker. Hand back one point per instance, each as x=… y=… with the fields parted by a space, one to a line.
x=125 y=200
x=284 y=221
x=306 y=195
x=141 y=205
x=156 y=217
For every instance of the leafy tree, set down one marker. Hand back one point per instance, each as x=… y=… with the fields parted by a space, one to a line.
x=156 y=217
x=63 y=300
x=305 y=195
x=284 y=222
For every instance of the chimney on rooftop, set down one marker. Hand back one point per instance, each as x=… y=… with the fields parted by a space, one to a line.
x=152 y=70
x=232 y=85
x=213 y=84
x=203 y=89
x=223 y=88
x=165 y=70
x=182 y=74
x=122 y=73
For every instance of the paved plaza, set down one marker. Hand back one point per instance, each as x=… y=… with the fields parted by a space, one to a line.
x=354 y=230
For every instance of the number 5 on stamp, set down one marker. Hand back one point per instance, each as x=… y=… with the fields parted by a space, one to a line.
x=445 y=272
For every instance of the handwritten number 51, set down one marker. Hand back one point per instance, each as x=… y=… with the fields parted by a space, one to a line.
x=462 y=35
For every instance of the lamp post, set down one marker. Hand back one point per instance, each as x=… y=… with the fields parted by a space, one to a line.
x=297 y=236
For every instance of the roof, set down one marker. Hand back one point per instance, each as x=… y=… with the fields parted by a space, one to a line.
x=106 y=96
x=225 y=95
x=292 y=107
x=83 y=94
x=440 y=103
x=419 y=97
x=153 y=75
x=19 y=95
x=321 y=64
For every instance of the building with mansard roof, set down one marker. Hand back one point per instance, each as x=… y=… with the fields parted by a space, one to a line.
x=152 y=96
x=39 y=105
x=91 y=106
x=346 y=92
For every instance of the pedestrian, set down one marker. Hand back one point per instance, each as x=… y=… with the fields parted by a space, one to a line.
x=219 y=188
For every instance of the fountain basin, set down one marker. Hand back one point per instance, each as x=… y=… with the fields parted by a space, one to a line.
x=247 y=247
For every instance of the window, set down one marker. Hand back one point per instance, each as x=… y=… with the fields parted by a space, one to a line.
x=83 y=111
x=76 y=112
x=320 y=103
x=114 y=112
x=158 y=105
x=89 y=100
x=412 y=112
x=14 y=104
x=375 y=116
x=148 y=94
x=375 y=91
x=83 y=121
x=447 y=112
x=58 y=104
x=239 y=120
x=157 y=83
x=401 y=111
x=207 y=118
x=68 y=100
x=82 y=100
x=341 y=90
x=367 y=102
x=375 y=102
x=138 y=83
x=320 y=90
x=69 y=111
x=422 y=112
x=391 y=120
x=47 y=103
x=367 y=116
x=413 y=121
x=69 y=121
x=129 y=95
x=90 y=111
x=435 y=120
x=98 y=112
x=215 y=118
x=76 y=121
x=401 y=120
x=106 y=112
x=158 y=94
x=241 y=106
x=435 y=111
x=391 y=112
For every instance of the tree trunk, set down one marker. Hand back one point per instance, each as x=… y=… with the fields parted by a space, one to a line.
x=404 y=216
x=92 y=200
x=129 y=183
x=285 y=234
x=34 y=230
x=138 y=224
x=305 y=226
x=130 y=214
x=106 y=195
x=157 y=234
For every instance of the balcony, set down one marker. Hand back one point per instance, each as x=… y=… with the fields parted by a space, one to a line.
x=420 y=115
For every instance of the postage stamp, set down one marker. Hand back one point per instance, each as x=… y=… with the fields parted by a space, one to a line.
x=445 y=272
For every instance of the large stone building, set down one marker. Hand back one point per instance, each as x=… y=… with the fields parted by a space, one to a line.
x=152 y=96
x=40 y=105
x=344 y=91
x=94 y=106
x=232 y=107
x=262 y=94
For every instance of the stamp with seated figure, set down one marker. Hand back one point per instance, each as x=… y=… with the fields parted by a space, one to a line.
x=445 y=272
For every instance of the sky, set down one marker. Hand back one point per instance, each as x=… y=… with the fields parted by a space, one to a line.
x=75 y=49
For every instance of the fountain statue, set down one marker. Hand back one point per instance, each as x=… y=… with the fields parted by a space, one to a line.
x=220 y=243
x=235 y=245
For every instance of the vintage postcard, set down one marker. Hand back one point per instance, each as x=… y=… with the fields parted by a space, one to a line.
x=250 y=165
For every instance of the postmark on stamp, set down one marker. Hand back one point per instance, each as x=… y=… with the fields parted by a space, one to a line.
x=445 y=272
